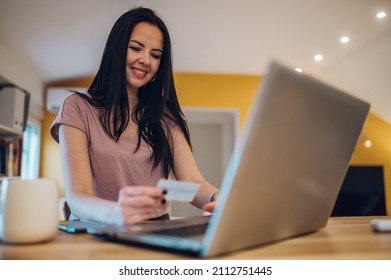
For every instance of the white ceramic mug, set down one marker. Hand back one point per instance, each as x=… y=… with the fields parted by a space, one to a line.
x=28 y=210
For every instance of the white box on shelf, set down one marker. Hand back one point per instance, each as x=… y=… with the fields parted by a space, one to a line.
x=12 y=109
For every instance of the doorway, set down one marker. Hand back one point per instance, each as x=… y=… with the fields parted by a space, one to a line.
x=213 y=133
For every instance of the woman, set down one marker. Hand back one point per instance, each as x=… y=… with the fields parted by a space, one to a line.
x=123 y=135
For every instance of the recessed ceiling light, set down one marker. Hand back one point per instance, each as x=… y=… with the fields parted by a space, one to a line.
x=318 y=57
x=344 y=39
x=368 y=143
x=298 y=69
x=381 y=14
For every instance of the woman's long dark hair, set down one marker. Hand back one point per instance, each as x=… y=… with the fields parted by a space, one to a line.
x=157 y=101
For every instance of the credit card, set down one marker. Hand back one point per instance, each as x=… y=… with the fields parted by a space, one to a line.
x=178 y=190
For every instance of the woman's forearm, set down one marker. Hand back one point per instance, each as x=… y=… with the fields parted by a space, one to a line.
x=92 y=208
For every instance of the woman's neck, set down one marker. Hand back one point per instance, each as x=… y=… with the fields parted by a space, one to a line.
x=132 y=98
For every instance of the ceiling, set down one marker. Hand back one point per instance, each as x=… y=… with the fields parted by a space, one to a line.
x=65 y=39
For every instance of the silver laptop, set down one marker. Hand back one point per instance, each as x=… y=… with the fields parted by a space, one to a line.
x=284 y=175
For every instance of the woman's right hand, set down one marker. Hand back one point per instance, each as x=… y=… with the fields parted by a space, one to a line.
x=137 y=204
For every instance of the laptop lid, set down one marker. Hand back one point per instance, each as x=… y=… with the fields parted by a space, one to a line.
x=285 y=173
x=284 y=177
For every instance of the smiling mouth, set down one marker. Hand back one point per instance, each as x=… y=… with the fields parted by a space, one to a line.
x=139 y=73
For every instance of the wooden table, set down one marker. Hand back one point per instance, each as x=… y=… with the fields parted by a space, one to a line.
x=342 y=238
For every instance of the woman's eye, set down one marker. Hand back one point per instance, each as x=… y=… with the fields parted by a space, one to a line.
x=156 y=56
x=137 y=49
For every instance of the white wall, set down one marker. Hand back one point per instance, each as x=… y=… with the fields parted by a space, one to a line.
x=19 y=73
x=213 y=133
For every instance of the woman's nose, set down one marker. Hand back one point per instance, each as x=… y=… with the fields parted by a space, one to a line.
x=144 y=58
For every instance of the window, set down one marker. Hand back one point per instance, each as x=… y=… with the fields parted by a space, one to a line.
x=31 y=150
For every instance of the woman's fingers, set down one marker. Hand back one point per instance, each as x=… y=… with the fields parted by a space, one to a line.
x=137 y=218
x=142 y=190
x=130 y=215
x=209 y=207
x=136 y=204
x=141 y=196
x=140 y=201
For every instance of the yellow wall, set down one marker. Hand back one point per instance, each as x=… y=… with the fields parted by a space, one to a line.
x=228 y=91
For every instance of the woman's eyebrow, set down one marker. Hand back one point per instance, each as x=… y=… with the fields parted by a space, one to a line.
x=142 y=45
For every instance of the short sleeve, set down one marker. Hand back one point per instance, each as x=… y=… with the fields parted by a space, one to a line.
x=72 y=113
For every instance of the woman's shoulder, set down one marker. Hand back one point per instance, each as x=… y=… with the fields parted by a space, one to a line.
x=79 y=101
x=77 y=98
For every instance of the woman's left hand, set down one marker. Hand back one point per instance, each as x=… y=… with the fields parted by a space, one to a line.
x=209 y=207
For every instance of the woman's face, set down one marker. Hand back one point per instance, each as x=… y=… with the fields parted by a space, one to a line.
x=144 y=53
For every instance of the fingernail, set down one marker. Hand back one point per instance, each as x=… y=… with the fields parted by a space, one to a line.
x=163 y=201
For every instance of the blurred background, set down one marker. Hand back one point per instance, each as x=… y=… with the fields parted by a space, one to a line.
x=221 y=50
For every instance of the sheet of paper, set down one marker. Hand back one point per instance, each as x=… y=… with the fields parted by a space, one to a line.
x=179 y=190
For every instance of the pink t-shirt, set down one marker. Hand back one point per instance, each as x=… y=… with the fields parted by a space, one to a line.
x=113 y=164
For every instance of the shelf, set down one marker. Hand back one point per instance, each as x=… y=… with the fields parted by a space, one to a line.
x=7 y=132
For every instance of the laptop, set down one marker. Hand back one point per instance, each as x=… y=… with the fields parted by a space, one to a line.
x=284 y=175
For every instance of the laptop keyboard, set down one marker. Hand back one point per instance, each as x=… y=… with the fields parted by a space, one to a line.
x=183 y=231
